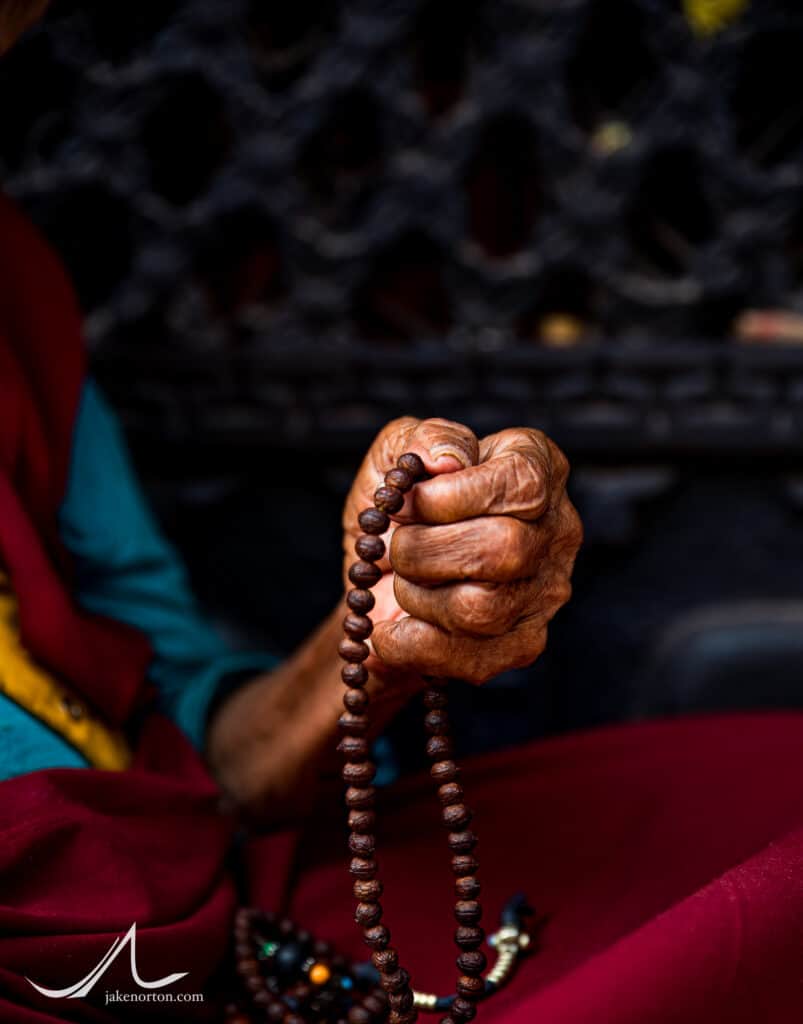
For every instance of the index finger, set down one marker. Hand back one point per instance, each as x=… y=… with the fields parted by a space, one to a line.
x=518 y=475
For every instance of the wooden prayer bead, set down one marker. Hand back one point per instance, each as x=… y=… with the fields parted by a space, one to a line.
x=355 y=748
x=405 y=1017
x=469 y=936
x=368 y=914
x=394 y=981
x=368 y=892
x=377 y=937
x=450 y=793
x=354 y=674
x=462 y=842
x=370 y=547
x=360 y=601
x=436 y=722
x=363 y=844
x=464 y=864
x=470 y=987
x=360 y=1015
x=467 y=888
x=365 y=574
x=358 y=627
x=374 y=1004
x=372 y=520
x=413 y=465
x=385 y=960
x=355 y=700
x=388 y=499
x=444 y=771
x=362 y=797
x=361 y=821
x=467 y=911
x=439 y=747
x=363 y=867
x=456 y=816
x=399 y=478
x=401 y=1001
x=472 y=962
x=463 y=1009
x=247 y=966
x=353 y=650
x=434 y=698
x=354 y=725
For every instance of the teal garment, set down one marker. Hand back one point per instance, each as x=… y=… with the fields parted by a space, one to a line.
x=126 y=569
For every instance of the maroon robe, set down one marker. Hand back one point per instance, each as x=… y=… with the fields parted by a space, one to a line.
x=667 y=858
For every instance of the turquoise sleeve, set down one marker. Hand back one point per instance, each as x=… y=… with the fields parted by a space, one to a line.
x=127 y=570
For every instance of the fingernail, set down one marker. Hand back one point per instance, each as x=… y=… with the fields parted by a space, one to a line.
x=445 y=451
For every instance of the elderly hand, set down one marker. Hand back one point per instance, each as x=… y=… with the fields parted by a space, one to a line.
x=480 y=555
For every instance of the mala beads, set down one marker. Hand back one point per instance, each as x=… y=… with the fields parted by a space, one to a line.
x=359 y=770
x=288 y=977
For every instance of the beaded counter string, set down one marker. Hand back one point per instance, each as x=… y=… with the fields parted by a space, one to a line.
x=289 y=977
x=358 y=774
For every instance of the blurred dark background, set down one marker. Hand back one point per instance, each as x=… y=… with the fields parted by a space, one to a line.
x=288 y=223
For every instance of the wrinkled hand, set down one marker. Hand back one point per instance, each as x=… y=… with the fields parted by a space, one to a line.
x=481 y=554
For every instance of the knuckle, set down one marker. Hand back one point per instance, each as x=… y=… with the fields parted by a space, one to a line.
x=477 y=609
x=509 y=547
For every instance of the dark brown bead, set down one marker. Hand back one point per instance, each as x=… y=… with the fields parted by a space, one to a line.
x=377 y=937
x=395 y=981
x=373 y=521
x=439 y=748
x=388 y=499
x=470 y=987
x=463 y=1009
x=469 y=936
x=275 y=1011
x=462 y=842
x=286 y=926
x=464 y=864
x=401 y=1001
x=362 y=820
x=467 y=888
x=355 y=748
x=456 y=816
x=365 y=574
x=472 y=962
x=243 y=950
x=353 y=725
x=358 y=627
x=263 y=998
x=436 y=699
x=436 y=722
x=385 y=960
x=363 y=867
x=360 y=601
x=360 y=1015
x=374 y=1004
x=467 y=912
x=412 y=464
x=399 y=478
x=362 y=844
x=403 y=1017
x=368 y=914
x=368 y=892
x=354 y=674
x=450 y=793
x=254 y=983
x=369 y=547
x=321 y=948
x=353 y=650
x=444 y=771
x=247 y=967
x=362 y=797
x=356 y=700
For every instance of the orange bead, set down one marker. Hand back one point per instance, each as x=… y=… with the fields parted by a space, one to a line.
x=319 y=974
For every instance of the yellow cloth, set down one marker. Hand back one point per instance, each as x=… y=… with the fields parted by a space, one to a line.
x=42 y=696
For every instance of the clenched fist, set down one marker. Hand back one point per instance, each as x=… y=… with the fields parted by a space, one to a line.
x=478 y=559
